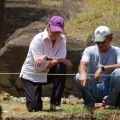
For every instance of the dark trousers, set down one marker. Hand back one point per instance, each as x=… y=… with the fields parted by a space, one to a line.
x=33 y=91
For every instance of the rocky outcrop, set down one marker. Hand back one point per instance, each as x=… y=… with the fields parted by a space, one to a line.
x=20 y=13
x=1 y=15
x=1 y=20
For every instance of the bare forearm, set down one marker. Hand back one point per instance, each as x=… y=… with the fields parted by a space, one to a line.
x=111 y=67
x=83 y=73
x=82 y=68
x=53 y=62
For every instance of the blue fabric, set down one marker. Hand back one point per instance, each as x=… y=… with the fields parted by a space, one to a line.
x=96 y=58
x=106 y=91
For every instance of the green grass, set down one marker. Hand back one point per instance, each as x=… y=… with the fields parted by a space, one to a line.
x=68 y=111
x=102 y=114
x=96 y=13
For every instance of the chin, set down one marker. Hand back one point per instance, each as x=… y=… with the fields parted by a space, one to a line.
x=102 y=50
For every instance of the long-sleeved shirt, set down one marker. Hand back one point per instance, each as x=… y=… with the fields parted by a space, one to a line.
x=42 y=45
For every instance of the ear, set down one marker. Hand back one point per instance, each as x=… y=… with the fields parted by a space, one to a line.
x=48 y=27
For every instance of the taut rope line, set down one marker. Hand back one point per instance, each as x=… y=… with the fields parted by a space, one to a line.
x=54 y=74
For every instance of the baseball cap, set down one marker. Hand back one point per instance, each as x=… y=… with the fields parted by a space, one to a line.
x=56 y=24
x=101 y=32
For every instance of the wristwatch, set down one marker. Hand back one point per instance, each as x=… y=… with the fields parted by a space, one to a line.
x=48 y=58
x=102 y=66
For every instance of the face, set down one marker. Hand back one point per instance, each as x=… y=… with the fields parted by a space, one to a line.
x=53 y=35
x=104 y=46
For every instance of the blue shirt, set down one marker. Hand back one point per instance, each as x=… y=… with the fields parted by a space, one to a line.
x=96 y=58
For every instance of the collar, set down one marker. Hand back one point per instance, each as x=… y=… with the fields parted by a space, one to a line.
x=45 y=35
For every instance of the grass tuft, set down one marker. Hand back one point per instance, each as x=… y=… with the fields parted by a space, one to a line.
x=96 y=13
x=69 y=111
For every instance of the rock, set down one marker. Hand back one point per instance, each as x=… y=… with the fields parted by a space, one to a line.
x=21 y=13
x=46 y=99
x=72 y=101
x=2 y=21
x=71 y=96
x=15 y=99
x=21 y=100
x=5 y=95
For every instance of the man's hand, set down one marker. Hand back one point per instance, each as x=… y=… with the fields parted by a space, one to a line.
x=83 y=80
x=40 y=60
x=66 y=62
x=97 y=74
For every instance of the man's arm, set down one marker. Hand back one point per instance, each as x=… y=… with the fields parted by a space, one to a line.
x=60 y=55
x=105 y=68
x=111 y=67
x=54 y=61
x=83 y=72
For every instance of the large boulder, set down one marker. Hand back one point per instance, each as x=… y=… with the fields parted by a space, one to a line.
x=13 y=54
x=20 y=13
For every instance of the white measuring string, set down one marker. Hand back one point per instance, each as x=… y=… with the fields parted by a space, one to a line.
x=42 y=74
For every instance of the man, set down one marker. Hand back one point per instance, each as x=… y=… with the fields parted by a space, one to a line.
x=44 y=62
x=99 y=71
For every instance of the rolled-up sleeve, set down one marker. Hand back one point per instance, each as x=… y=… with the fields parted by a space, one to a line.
x=86 y=55
x=36 y=48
